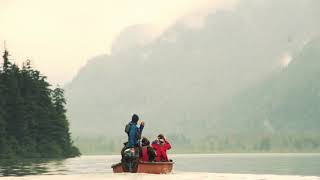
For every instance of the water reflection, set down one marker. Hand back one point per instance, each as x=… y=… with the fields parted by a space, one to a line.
x=78 y=165
x=29 y=167
x=280 y=164
x=20 y=167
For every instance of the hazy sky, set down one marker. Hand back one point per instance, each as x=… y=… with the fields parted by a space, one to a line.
x=59 y=36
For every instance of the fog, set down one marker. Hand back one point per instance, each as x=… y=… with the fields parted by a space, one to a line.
x=238 y=75
x=59 y=36
x=235 y=73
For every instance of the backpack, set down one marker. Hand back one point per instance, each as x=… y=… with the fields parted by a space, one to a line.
x=127 y=128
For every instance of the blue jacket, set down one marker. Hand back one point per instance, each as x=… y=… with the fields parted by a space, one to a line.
x=133 y=135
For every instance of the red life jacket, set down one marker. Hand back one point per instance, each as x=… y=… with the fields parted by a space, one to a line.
x=145 y=156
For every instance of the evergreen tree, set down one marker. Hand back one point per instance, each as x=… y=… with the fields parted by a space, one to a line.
x=6 y=62
x=32 y=116
x=61 y=123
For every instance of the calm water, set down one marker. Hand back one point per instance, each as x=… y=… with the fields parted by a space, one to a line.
x=276 y=164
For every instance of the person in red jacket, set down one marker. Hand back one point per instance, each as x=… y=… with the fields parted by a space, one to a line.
x=147 y=152
x=161 y=145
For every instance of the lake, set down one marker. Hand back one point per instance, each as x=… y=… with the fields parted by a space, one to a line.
x=194 y=166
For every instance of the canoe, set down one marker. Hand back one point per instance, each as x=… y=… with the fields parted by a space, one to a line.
x=147 y=167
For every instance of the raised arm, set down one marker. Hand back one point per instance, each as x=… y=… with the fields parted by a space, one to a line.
x=167 y=145
x=141 y=128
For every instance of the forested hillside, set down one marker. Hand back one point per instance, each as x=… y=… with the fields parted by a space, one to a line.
x=278 y=114
x=287 y=102
x=33 y=123
x=204 y=83
x=183 y=77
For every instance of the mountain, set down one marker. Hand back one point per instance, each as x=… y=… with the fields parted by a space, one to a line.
x=287 y=102
x=183 y=80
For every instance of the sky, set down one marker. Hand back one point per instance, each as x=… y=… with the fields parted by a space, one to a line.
x=60 y=36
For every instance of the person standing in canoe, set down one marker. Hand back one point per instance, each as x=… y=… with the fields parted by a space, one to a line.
x=134 y=132
x=131 y=151
x=161 y=145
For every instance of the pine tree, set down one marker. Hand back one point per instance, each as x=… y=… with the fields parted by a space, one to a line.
x=32 y=116
x=6 y=62
x=61 y=123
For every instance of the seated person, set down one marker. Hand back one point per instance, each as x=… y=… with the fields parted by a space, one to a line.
x=161 y=145
x=127 y=156
x=147 y=152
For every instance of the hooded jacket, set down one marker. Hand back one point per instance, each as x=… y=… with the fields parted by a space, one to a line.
x=134 y=135
x=161 y=150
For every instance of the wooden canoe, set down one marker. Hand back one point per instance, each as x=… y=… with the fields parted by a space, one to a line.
x=147 y=167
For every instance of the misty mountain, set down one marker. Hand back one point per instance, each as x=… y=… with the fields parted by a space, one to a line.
x=288 y=101
x=183 y=80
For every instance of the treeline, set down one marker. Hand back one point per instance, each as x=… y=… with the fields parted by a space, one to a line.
x=33 y=123
x=259 y=143
x=237 y=143
x=99 y=145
